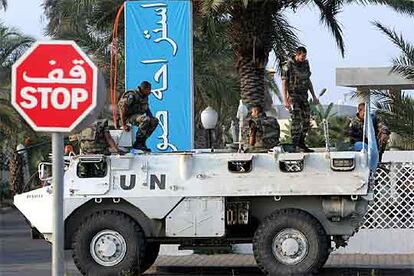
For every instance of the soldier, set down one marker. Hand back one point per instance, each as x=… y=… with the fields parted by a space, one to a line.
x=96 y=139
x=135 y=109
x=264 y=131
x=295 y=86
x=356 y=129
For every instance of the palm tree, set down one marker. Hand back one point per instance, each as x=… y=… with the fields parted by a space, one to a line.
x=3 y=4
x=12 y=45
x=89 y=23
x=397 y=108
x=250 y=29
x=257 y=26
x=398 y=113
x=215 y=79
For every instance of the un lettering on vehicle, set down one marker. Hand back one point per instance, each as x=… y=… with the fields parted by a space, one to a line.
x=129 y=182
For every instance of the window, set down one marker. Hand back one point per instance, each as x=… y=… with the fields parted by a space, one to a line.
x=88 y=169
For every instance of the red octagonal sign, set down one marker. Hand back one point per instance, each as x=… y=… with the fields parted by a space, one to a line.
x=54 y=86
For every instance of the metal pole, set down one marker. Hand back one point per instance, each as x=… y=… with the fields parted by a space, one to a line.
x=58 y=258
x=209 y=139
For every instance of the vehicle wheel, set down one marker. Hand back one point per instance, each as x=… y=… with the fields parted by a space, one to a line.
x=150 y=255
x=326 y=257
x=290 y=242
x=108 y=243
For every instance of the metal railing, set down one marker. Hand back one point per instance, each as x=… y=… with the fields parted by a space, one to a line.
x=393 y=205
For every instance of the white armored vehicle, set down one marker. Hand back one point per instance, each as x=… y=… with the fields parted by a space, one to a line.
x=293 y=207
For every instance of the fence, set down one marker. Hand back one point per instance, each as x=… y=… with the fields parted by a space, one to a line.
x=389 y=222
x=393 y=206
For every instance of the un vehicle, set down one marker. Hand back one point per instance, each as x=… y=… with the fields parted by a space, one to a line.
x=294 y=207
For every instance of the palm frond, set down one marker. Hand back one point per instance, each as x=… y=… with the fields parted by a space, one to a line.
x=273 y=88
x=12 y=45
x=3 y=4
x=401 y=6
x=397 y=39
x=404 y=64
x=285 y=40
x=329 y=9
x=399 y=114
x=210 y=6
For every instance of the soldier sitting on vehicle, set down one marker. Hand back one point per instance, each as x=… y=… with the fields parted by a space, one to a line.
x=264 y=131
x=134 y=108
x=96 y=139
x=356 y=127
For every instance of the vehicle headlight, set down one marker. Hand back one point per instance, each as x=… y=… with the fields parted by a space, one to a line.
x=343 y=164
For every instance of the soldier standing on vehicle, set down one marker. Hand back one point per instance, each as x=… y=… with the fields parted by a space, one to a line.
x=134 y=108
x=356 y=131
x=96 y=139
x=296 y=83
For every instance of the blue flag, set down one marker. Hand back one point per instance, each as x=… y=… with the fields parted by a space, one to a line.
x=373 y=155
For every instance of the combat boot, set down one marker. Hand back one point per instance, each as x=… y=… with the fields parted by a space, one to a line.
x=139 y=144
x=296 y=146
x=303 y=146
x=145 y=148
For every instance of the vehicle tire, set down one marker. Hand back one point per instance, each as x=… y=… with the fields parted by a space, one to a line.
x=290 y=242
x=108 y=243
x=326 y=257
x=150 y=255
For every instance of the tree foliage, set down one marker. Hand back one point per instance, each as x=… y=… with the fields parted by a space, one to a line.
x=397 y=108
x=12 y=45
x=13 y=129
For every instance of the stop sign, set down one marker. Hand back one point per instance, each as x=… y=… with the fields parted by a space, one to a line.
x=54 y=86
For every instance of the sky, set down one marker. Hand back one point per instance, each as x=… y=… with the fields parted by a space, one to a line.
x=365 y=45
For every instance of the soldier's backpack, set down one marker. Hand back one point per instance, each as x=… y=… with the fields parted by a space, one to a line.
x=270 y=132
x=92 y=139
x=267 y=132
x=92 y=133
x=123 y=107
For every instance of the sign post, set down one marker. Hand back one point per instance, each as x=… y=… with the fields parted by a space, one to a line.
x=54 y=88
x=58 y=255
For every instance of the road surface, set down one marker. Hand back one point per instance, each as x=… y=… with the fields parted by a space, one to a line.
x=22 y=256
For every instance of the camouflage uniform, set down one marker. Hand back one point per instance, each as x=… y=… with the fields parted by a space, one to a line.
x=297 y=76
x=266 y=131
x=356 y=129
x=141 y=116
x=92 y=139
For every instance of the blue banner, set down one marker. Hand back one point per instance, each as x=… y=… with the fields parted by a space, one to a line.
x=373 y=155
x=158 y=48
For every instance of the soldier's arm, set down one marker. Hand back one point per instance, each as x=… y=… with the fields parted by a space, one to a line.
x=383 y=134
x=353 y=132
x=130 y=101
x=312 y=91
x=123 y=124
x=285 y=83
x=285 y=89
x=111 y=143
x=252 y=137
x=149 y=113
x=252 y=132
